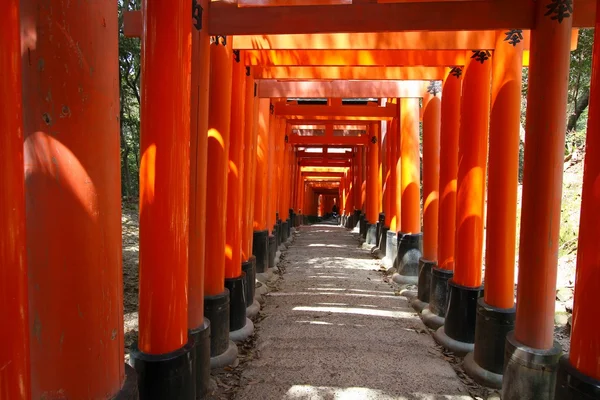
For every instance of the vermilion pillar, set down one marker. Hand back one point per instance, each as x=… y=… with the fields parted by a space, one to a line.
x=217 y=297
x=458 y=332
x=434 y=314
x=261 y=232
x=271 y=184
x=14 y=352
x=235 y=279
x=199 y=326
x=73 y=197
x=391 y=246
x=409 y=237
x=540 y=209
x=496 y=313
x=373 y=191
x=248 y=192
x=384 y=218
x=579 y=372
x=431 y=179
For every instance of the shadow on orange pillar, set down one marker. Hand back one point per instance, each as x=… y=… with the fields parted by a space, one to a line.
x=409 y=238
x=540 y=210
x=14 y=308
x=199 y=327
x=458 y=333
x=217 y=297
x=431 y=175
x=496 y=313
x=73 y=198
x=579 y=371
x=261 y=232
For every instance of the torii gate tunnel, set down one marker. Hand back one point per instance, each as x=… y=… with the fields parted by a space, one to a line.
x=258 y=116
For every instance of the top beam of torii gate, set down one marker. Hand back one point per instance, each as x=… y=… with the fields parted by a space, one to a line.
x=226 y=18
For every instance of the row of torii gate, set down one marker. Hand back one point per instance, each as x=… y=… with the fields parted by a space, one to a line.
x=224 y=156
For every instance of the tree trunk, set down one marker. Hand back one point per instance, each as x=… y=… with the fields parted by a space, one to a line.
x=580 y=107
x=124 y=148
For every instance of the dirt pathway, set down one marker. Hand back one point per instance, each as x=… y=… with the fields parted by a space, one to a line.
x=335 y=330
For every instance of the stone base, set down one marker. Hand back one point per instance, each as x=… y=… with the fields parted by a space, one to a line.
x=529 y=374
x=201 y=369
x=226 y=358
x=461 y=316
x=418 y=305
x=129 y=390
x=372 y=234
x=253 y=310
x=458 y=348
x=481 y=375
x=405 y=280
x=243 y=333
x=431 y=319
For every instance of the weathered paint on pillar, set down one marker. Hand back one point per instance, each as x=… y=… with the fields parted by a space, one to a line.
x=411 y=166
x=219 y=130
x=73 y=196
x=373 y=192
x=542 y=177
x=198 y=149
x=164 y=177
x=14 y=308
x=503 y=173
x=450 y=124
x=262 y=145
x=249 y=173
x=472 y=159
x=431 y=174
x=235 y=172
x=585 y=340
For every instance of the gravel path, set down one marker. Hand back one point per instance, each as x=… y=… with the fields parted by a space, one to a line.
x=336 y=330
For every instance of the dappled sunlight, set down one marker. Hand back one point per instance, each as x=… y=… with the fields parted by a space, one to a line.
x=359 y=311
x=328 y=245
x=358 y=393
x=332 y=293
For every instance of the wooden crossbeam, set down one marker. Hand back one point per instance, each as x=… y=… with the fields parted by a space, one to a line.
x=350 y=73
x=377 y=17
x=290 y=111
x=341 y=89
x=325 y=140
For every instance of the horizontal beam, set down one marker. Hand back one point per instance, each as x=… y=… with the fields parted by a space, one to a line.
x=323 y=174
x=365 y=58
x=393 y=17
x=350 y=73
x=327 y=140
x=320 y=169
x=341 y=89
x=345 y=164
x=292 y=110
x=464 y=40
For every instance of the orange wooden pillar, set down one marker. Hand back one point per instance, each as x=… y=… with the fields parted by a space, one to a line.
x=384 y=152
x=198 y=326
x=409 y=238
x=496 y=312
x=15 y=377
x=271 y=184
x=579 y=371
x=73 y=196
x=260 y=247
x=235 y=279
x=372 y=184
x=284 y=188
x=458 y=332
x=540 y=210
x=248 y=192
x=431 y=180
x=391 y=246
x=217 y=296
x=434 y=314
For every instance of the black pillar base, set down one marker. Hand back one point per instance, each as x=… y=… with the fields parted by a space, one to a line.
x=200 y=338
x=383 y=240
x=380 y=225
x=486 y=364
x=216 y=309
x=573 y=385
x=355 y=218
x=371 y=234
x=529 y=374
x=409 y=253
x=391 y=249
x=458 y=332
x=284 y=231
x=165 y=376
x=277 y=234
x=423 y=284
x=249 y=269
x=363 y=226
x=129 y=390
x=434 y=314
x=260 y=249
x=289 y=227
x=237 y=302
x=272 y=251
